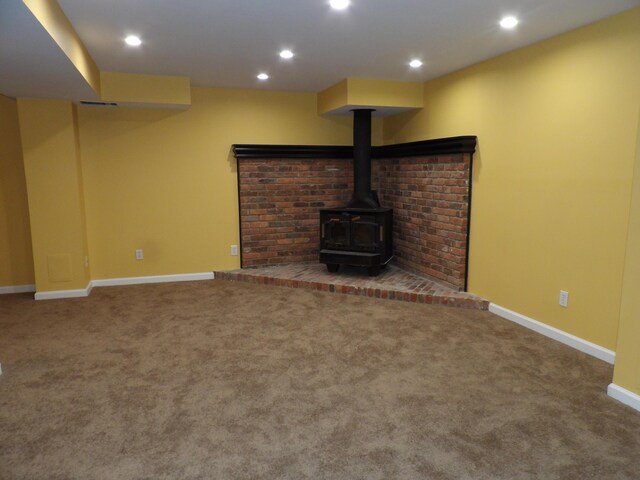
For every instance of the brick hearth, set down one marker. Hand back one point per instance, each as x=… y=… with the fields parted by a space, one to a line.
x=393 y=283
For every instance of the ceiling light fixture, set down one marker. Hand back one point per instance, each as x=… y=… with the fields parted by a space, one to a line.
x=339 y=4
x=263 y=76
x=415 y=63
x=509 y=22
x=133 y=41
x=286 y=54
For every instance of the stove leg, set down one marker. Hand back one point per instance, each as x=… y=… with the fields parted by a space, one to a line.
x=373 y=271
x=332 y=267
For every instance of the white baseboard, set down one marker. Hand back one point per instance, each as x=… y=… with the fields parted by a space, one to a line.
x=556 y=334
x=110 y=282
x=83 y=292
x=186 y=277
x=625 y=396
x=18 y=289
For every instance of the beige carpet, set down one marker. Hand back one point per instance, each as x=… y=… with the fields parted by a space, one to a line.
x=228 y=380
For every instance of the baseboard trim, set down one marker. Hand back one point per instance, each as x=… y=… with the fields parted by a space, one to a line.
x=83 y=292
x=625 y=396
x=578 y=343
x=110 y=282
x=17 y=289
x=186 y=277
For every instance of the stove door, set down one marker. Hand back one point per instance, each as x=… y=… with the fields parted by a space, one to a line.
x=363 y=233
x=336 y=234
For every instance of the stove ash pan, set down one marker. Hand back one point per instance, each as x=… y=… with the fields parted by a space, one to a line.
x=356 y=236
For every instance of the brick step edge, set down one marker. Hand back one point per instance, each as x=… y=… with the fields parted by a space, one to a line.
x=470 y=303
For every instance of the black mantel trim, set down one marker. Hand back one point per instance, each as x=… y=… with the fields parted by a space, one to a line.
x=291 y=151
x=440 y=146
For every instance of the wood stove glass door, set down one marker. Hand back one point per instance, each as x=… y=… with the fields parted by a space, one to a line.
x=363 y=233
x=336 y=234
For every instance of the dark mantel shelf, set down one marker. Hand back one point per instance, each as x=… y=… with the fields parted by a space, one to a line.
x=292 y=151
x=440 y=146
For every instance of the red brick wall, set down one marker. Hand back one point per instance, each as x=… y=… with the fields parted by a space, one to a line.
x=430 y=201
x=279 y=203
x=280 y=199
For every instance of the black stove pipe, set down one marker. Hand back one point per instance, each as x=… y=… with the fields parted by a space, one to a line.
x=363 y=197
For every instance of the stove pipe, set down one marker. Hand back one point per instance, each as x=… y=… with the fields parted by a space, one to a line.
x=363 y=196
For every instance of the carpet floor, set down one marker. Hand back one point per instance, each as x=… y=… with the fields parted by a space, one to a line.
x=225 y=380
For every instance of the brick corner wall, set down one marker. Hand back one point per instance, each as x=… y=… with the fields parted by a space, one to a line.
x=430 y=195
x=279 y=203
x=430 y=200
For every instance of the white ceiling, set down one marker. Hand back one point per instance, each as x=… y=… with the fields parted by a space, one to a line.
x=227 y=42
x=31 y=64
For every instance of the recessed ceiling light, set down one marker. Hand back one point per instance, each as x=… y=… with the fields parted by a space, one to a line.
x=263 y=76
x=509 y=22
x=286 y=54
x=133 y=41
x=415 y=63
x=339 y=4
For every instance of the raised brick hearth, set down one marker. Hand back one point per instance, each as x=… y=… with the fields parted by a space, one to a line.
x=280 y=198
x=393 y=283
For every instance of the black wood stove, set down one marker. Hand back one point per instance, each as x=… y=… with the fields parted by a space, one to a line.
x=359 y=233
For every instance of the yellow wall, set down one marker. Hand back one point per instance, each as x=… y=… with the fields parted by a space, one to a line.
x=48 y=130
x=334 y=97
x=16 y=262
x=146 y=90
x=556 y=125
x=165 y=181
x=627 y=370
x=354 y=92
x=384 y=93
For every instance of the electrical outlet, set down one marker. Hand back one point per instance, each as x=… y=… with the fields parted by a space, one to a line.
x=139 y=254
x=564 y=298
x=234 y=250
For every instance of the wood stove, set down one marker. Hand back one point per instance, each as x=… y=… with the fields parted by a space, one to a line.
x=360 y=233
x=356 y=236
